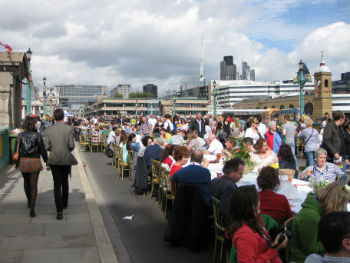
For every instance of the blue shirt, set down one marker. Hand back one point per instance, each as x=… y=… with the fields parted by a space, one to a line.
x=196 y=175
x=152 y=152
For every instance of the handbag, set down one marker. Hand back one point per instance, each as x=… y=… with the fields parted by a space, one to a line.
x=15 y=156
x=109 y=152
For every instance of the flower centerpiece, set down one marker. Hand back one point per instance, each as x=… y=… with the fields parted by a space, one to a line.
x=241 y=151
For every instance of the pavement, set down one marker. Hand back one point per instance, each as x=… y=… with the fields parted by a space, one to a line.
x=80 y=237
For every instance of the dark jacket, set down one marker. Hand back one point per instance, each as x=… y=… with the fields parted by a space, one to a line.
x=332 y=141
x=222 y=189
x=347 y=143
x=195 y=127
x=189 y=218
x=31 y=145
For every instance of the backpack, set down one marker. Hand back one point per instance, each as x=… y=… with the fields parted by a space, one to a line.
x=109 y=152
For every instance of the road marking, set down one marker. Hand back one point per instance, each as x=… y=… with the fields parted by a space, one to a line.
x=103 y=241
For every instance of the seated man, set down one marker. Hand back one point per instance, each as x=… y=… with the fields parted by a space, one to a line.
x=334 y=233
x=195 y=174
x=153 y=151
x=215 y=146
x=223 y=187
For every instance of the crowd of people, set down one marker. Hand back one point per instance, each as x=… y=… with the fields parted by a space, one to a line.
x=187 y=147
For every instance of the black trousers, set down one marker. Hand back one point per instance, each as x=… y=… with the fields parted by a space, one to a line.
x=61 y=187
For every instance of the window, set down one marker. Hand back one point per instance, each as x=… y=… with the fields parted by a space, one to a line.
x=291 y=106
x=281 y=107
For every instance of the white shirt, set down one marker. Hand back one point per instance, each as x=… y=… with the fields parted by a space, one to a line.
x=111 y=137
x=215 y=147
x=152 y=121
x=168 y=123
x=249 y=133
x=262 y=128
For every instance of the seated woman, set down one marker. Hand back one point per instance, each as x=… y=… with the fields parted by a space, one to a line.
x=263 y=157
x=249 y=236
x=230 y=145
x=122 y=144
x=323 y=170
x=166 y=158
x=132 y=144
x=181 y=156
x=271 y=203
x=334 y=197
x=285 y=158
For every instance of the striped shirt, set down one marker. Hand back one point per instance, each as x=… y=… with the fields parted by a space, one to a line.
x=329 y=173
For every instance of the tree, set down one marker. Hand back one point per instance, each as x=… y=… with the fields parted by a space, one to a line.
x=141 y=95
x=118 y=95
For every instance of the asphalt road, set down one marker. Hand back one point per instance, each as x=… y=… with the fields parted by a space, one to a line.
x=139 y=239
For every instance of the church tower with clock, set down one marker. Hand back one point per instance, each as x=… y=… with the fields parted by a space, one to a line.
x=323 y=91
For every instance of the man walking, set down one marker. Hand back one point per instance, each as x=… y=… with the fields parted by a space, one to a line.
x=333 y=139
x=198 y=125
x=59 y=141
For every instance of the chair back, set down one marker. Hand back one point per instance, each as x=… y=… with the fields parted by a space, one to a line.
x=218 y=219
x=288 y=226
x=287 y=172
x=155 y=168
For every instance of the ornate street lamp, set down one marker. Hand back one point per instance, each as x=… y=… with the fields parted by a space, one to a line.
x=44 y=97
x=303 y=76
x=214 y=95
x=28 y=89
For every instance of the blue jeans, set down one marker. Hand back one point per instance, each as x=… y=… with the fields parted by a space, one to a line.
x=310 y=158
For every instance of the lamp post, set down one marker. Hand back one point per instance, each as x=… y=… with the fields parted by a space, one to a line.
x=136 y=110
x=44 y=97
x=174 y=102
x=303 y=76
x=28 y=89
x=214 y=95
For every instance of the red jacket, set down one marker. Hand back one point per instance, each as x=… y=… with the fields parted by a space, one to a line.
x=275 y=205
x=251 y=247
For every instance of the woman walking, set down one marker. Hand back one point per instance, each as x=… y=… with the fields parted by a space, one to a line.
x=31 y=147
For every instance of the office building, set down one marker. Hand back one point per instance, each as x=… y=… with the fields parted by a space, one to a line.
x=123 y=89
x=70 y=95
x=247 y=73
x=228 y=70
x=151 y=88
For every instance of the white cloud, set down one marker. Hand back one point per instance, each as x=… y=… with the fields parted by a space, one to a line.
x=128 y=41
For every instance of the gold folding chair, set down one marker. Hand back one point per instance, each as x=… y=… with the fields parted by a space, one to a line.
x=288 y=225
x=103 y=144
x=166 y=189
x=155 y=176
x=84 y=142
x=219 y=229
x=95 y=143
x=125 y=166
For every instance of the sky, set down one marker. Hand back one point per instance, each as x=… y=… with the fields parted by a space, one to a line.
x=111 y=42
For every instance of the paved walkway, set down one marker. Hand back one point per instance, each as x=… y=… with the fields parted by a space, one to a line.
x=79 y=237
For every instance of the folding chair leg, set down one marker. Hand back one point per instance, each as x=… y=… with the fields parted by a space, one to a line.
x=215 y=248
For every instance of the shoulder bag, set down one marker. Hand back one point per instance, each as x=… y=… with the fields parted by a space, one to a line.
x=15 y=156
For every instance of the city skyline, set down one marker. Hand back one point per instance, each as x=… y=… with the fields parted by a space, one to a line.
x=139 y=43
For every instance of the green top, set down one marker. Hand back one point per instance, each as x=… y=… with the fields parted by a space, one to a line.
x=106 y=132
x=304 y=230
